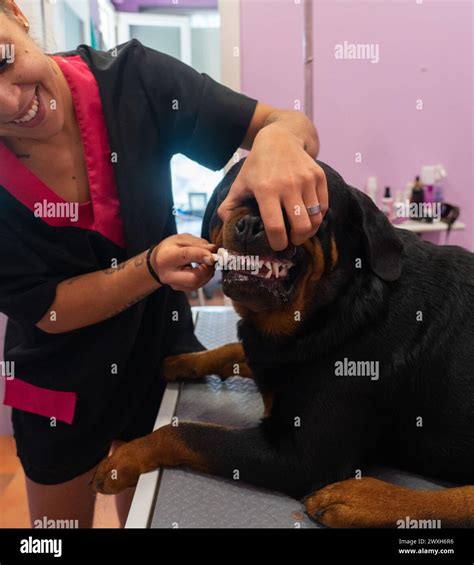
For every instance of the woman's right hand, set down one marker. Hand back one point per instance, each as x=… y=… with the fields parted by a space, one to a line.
x=171 y=260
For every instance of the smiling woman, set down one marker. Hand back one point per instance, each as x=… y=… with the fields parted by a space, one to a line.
x=95 y=297
x=35 y=81
x=87 y=235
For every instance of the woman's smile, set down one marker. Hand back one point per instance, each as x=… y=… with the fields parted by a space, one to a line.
x=33 y=114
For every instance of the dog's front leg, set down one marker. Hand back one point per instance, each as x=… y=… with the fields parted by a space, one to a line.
x=225 y=361
x=238 y=454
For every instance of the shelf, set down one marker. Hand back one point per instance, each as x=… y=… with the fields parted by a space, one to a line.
x=423 y=227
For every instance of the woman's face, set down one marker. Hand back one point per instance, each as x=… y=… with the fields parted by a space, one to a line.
x=30 y=89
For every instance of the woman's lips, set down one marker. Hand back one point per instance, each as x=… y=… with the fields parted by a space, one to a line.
x=38 y=104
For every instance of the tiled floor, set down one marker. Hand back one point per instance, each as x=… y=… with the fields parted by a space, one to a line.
x=13 y=501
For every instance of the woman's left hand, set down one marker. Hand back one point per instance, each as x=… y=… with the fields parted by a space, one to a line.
x=279 y=174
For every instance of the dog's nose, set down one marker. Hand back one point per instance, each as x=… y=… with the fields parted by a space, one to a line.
x=249 y=229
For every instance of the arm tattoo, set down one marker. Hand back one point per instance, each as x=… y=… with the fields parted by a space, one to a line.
x=119 y=267
x=138 y=261
x=74 y=279
x=126 y=306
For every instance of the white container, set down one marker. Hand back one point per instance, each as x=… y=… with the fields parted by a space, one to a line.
x=371 y=189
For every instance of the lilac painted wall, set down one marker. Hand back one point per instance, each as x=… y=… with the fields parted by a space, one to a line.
x=94 y=9
x=135 y=5
x=360 y=106
x=364 y=107
x=272 y=51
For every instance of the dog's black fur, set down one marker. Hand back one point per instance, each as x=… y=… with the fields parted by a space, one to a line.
x=410 y=308
x=387 y=297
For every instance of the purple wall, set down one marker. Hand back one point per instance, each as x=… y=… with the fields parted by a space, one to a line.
x=135 y=5
x=370 y=108
x=272 y=51
x=425 y=53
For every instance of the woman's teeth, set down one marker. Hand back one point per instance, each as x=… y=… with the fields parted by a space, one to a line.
x=277 y=269
x=30 y=114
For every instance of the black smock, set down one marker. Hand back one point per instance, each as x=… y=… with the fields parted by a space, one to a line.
x=75 y=392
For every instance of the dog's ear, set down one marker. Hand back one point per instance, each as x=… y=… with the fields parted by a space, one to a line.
x=382 y=245
x=211 y=218
x=211 y=209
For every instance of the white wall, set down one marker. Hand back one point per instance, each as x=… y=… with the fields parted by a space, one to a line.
x=32 y=10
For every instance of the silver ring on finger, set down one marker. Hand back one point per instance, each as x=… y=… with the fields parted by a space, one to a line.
x=313 y=210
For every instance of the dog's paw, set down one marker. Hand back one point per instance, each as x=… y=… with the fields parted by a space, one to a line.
x=361 y=503
x=117 y=473
x=180 y=367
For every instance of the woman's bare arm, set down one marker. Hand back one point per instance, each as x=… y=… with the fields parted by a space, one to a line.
x=93 y=297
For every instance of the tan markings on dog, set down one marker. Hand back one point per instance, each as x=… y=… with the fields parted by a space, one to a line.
x=216 y=236
x=228 y=228
x=371 y=503
x=334 y=253
x=282 y=321
x=164 y=447
x=225 y=361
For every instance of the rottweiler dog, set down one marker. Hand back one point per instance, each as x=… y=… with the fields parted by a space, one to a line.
x=361 y=344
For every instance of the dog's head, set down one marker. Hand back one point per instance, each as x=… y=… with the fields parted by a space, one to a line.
x=278 y=290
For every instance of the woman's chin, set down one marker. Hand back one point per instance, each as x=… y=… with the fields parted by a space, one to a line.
x=51 y=126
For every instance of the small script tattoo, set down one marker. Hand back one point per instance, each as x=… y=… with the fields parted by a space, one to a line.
x=126 y=306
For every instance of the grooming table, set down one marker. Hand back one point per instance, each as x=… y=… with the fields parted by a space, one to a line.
x=181 y=498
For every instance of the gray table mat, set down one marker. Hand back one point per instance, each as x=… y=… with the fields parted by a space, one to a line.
x=187 y=499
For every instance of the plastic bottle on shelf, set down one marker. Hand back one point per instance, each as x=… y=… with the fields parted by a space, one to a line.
x=440 y=174
x=417 y=197
x=372 y=189
x=399 y=207
x=387 y=204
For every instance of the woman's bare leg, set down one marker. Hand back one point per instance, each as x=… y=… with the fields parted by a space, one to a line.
x=72 y=500
x=123 y=500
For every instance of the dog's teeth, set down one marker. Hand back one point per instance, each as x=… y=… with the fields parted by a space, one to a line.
x=268 y=265
x=260 y=263
x=275 y=269
x=268 y=275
